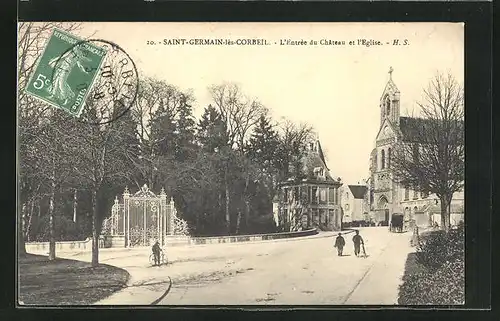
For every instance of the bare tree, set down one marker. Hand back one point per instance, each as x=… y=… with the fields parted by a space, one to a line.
x=31 y=114
x=240 y=114
x=293 y=141
x=430 y=155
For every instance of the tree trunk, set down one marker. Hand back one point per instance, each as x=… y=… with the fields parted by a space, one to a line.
x=247 y=202
x=445 y=212
x=21 y=244
x=95 y=235
x=228 y=217
x=238 y=223
x=52 y=237
x=28 y=226
x=74 y=205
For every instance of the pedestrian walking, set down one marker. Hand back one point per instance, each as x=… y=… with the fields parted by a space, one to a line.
x=339 y=244
x=357 y=240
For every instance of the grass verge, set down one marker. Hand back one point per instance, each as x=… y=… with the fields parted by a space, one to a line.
x=435 y=274
x=66 y=282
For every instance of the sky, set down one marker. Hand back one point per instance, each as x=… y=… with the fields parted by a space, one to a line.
x=334 y=88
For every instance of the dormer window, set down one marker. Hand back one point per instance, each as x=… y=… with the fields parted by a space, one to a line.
x=319 y=172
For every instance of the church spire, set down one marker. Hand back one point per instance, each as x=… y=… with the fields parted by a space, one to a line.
x=389 y=101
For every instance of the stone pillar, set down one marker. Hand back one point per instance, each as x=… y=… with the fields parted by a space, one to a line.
x=163 y=216
x=172 y=216
x=114 y=216
x=126 y=216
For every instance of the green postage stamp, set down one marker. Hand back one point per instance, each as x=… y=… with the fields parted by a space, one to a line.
x=66 y=72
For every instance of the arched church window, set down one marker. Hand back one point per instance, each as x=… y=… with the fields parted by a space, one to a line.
x=389 y=158
x=383 y=159
x=387 y=106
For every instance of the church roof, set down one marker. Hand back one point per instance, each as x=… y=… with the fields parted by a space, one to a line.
x=358 y=191
x=413 y=129
x=390 y=86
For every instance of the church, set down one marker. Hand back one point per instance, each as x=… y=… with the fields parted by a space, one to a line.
x=386 y=197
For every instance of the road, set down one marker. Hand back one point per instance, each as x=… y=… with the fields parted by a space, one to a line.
x=301 y=271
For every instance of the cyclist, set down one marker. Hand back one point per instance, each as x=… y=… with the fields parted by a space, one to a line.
x=156 y=252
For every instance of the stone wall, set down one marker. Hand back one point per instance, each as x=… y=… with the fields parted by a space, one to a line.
x=119 y=241
x=250 y=238
x=43 y=247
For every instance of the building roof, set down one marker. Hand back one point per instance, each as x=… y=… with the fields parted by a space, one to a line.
x=358 y=191
x=390 y=87
x=417 y=129
x=412 y=128
x=313 y=159
x=436 y=209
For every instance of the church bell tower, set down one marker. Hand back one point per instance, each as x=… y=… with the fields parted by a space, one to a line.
x=389 y=102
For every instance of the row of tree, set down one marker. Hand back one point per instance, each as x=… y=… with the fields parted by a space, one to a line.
x=222 y=170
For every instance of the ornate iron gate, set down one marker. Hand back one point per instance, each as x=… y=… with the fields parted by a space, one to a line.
x=143 y=218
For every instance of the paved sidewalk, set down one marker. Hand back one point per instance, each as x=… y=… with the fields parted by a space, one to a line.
x=380 y=285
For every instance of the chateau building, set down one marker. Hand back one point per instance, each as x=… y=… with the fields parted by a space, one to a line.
x=387 y=197
x=311 y=201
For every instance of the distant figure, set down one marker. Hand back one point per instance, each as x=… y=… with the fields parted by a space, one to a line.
x=156 y=251
x=339 y=244
x=357 y=240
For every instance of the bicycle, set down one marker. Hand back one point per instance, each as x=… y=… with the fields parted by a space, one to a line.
x=163 y=258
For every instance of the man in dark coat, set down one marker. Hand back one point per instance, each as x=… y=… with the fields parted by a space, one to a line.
x=156 y=251
x=339 y=244
x=357 y=240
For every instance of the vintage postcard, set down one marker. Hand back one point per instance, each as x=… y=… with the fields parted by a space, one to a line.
x=241 y=164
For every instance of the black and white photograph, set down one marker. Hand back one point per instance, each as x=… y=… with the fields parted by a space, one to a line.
x=240 y=164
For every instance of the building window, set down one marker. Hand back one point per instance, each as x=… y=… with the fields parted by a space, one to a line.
x=322 y=216
x=415 y=194
x=315 y=216
x=331 y=196
x=407 y=193
x=336 y=196
x=389 y=158
x=383 y=159
x=315 y=195
x=285 y=195
x=387 y=106
x=322 y=195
